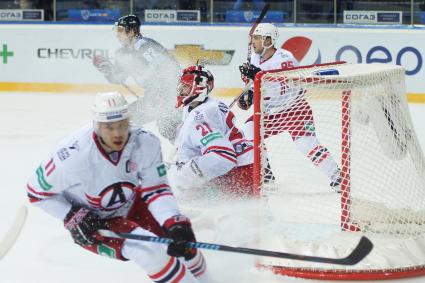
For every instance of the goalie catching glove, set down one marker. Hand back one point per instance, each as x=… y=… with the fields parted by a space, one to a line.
x=82 y=224
x=103 y=64
x=248 y=71
x=245 y=100
x=179 y=229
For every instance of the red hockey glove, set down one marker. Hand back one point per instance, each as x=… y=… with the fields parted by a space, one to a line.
x=246 y=99
x=179 y=229
x=82 y=223
x=248 y=70
x=103 y=64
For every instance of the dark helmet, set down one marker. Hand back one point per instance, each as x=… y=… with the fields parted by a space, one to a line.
x=129 y=22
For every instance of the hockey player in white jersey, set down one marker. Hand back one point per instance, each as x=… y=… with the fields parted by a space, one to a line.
x=211 y=150
x=285 y=109
x=152 y=67
x=110 y=175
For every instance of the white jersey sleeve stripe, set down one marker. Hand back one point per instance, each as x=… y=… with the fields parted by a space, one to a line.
x=224 y=152
x=35 y=196
x=151 y=194
x=153 y=188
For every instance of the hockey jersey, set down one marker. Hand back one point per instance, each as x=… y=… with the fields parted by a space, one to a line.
x=79 y=172
x=210 y=138
x=155 y=70
x=277 y=96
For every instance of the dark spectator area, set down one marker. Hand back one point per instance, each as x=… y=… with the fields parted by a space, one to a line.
x=218 y=11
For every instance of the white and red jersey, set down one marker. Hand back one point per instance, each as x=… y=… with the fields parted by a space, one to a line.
x=277 y=96
x=79 y=172
x=210 y=138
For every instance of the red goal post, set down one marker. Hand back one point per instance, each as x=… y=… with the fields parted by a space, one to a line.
x=362 y=119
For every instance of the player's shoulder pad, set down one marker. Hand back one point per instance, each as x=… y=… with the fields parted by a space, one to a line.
x=71 y=150
x=215 y=107
x=146 y=42
x=141 y=136
x=285 y=53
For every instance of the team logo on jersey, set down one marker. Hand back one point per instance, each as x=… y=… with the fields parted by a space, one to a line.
x=113 y=196
x=162 y=171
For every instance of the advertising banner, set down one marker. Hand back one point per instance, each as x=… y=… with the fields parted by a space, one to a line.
x=22 y=15
x=33 y=53
x=93 y=15
x=373 y=17
x=168 y=16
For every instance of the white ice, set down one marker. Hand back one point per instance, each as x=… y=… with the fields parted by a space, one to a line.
x=44 y=253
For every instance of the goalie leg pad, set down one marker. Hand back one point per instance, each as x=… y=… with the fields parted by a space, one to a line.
x=237 y=181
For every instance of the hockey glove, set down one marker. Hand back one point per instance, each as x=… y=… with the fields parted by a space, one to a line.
x=179 y=229
x=103 y=64
x=248 y=70
x=82 y=223
x=185 y=176
x=245 y=100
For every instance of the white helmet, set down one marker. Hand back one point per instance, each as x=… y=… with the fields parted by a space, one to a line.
x=265 y=30
x=110 y=107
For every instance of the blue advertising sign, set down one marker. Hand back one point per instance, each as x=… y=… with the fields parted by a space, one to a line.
x=94 y=15
x=236 y=16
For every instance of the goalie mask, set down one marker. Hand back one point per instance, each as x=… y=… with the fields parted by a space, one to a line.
x=195 y=84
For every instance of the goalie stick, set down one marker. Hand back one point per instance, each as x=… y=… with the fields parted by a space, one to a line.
x=248 y=56
x=13 y=233
x=363 y=248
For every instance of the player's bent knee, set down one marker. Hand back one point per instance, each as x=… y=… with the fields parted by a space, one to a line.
x=149 y=256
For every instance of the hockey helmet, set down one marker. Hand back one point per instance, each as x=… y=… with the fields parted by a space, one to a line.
x=267 y=30
x=129 y=22
x=110 y=107
x=196 y=82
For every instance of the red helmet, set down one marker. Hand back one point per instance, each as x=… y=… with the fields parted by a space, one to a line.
x=195 y=84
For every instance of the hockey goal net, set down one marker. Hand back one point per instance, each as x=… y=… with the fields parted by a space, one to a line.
x=335 y=159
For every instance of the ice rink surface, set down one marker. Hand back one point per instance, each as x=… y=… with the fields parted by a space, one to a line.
x=44 y=253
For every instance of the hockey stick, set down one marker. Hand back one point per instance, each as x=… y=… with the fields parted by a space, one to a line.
x=362 y=249
x=247 y=86
x=254 y=26
x=248 y=56
x=13 y=233
x=130 y=90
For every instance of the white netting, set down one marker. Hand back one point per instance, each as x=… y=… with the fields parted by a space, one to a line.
x=361 y=137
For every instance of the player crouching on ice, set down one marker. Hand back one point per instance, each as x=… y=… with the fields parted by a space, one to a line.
x=110 y=175
x=211 y=150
